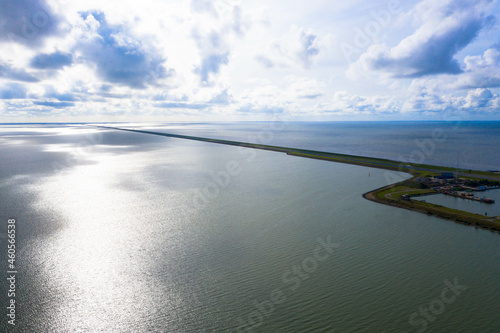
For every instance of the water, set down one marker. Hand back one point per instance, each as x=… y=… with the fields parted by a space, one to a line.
x=466 y=204
x=125 y=232
x=464 y=145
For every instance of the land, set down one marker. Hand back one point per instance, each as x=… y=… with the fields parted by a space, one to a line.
x=426 y=179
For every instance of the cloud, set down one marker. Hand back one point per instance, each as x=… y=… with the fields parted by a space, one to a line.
x=347 y=103
x=13 y=91
x=423 y=99
x=307 y=48
x=306 y=88
x=54 y=60
x=211 y=64
x=268 y=99
x=268 y=63
x=480 y=98
x=218 y=25
x=50 y=92
x=16 y=74
x=176 y=105
x=446 y=27
x=298 y=96
x=300 y=46
x=481 y=71
x=27 y=22
x=478 y=71
x=224 y=97
x=203 y=6
x=55 y=105
x=117 y=57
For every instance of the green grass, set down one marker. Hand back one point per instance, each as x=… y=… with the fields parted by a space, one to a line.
x=391 y=195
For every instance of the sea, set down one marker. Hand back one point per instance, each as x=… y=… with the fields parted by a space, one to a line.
x=127 y=232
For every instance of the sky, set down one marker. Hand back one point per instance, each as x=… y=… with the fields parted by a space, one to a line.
x=230 y=60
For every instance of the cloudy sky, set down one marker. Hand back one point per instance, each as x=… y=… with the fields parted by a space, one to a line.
x=149 y=60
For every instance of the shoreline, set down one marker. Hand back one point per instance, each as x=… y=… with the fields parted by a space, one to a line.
x=458 y=216
x=377 y=195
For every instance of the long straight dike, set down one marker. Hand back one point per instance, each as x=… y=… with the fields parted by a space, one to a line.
x=333 y=157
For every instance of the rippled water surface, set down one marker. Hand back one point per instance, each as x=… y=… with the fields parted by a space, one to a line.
x=126 y=232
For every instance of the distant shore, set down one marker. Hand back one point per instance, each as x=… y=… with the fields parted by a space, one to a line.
x=389 y=195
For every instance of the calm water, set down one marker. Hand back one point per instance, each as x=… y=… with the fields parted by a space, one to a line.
x=466 y=204
x=124 y=232
x=459 y=144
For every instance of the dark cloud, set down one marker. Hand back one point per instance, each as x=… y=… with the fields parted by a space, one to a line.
x=431 y=49
x=16 y=74
x=27 y=22
x=436 y=56
x=54 y=60
x=55 y=105
x=13 y=91
x=124 y=62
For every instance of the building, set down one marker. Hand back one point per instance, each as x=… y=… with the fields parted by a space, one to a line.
x=445 y=175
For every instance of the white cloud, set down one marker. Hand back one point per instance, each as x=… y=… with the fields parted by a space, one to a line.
x=344 y=102
x=481 y=71
x=445 y=28
x=308 y=88
x=480 y=99
x=219 y=58
x=217 y=28
x=299 y=46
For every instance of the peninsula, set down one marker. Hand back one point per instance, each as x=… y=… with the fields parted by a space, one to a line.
x=426 y=179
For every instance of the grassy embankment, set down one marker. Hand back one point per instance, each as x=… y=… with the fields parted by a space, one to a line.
x=391 y=195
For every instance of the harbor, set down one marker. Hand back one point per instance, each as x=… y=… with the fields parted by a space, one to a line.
x=469 y=196
x=450 y=184
x=465 y=204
